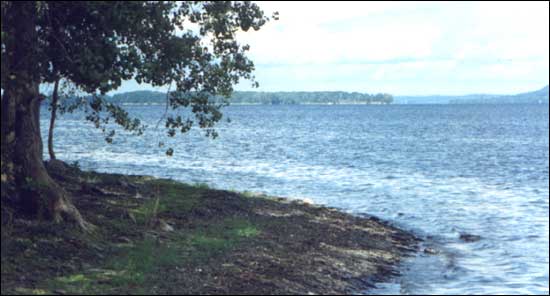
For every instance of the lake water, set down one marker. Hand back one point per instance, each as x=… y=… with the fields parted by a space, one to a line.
x=439 y=170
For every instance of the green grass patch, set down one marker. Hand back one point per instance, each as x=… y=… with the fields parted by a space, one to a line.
x=215 y=239
x=148 y=211
x=26 y=291
x=136 y=268
x=200 y=185
x=248 y=194
x=252 y=195
x=135 y=259
x=132 y=271
x=138 y=261
x=168 y=196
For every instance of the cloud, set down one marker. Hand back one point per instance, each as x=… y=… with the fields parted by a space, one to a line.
x=414 y=43
x=317 y=33
x=402 y=47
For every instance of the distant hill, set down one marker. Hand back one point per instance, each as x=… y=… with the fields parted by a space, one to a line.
x=438 y=99
x=534 y=97
x=339 y=97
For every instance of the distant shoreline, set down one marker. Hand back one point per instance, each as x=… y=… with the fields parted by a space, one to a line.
x=259 y=104
x=152 y=98
x=350 y=104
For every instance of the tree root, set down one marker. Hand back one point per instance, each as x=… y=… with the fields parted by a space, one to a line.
x=64 y=211
x=58 y=205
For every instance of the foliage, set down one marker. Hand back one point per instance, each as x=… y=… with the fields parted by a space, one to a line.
x=95 y=45
x=265 y=98
x=314 y=97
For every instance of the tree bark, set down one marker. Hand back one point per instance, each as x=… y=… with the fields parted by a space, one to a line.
x=21 y=139
x=55 y=99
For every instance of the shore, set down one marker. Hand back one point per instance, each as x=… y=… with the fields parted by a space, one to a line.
x=159 y=236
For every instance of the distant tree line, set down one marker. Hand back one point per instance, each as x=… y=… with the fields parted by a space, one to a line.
x=264 y=98
x=317 y=97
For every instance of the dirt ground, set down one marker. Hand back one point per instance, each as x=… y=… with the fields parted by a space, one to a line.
x=157 y=236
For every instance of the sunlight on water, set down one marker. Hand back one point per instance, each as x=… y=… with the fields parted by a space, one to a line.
x=438 y=170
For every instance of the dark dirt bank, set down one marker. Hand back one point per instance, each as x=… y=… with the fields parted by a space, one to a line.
x=163 y=237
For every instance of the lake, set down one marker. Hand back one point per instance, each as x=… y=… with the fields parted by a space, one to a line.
x=439 y=170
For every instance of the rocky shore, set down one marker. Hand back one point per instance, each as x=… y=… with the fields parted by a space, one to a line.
x=163 y=237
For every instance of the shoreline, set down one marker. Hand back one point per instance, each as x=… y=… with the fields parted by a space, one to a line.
x=260 y=104
x=160 y=236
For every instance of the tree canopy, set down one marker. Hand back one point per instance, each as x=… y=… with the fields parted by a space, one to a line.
x=94 y=46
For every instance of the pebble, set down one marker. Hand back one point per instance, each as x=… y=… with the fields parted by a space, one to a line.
x=431 y=251
x=469 y=238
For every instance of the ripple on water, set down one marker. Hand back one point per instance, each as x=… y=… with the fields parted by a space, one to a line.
x=437 y=170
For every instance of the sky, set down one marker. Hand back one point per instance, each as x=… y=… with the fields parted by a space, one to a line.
x=402 y=48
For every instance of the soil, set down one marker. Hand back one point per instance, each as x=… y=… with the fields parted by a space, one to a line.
x=158 y=236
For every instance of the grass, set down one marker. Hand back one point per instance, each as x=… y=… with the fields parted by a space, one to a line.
x=135 y=264
x=221 y=242
x=128 y=272
x=210 y=241
x=180 y=197
x=201 y=185
x=137 y=267
x=147 y=212
x=170 y=196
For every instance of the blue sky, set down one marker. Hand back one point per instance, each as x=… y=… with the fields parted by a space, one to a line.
x=403 y=48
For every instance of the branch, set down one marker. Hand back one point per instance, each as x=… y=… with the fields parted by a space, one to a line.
x=166 y=107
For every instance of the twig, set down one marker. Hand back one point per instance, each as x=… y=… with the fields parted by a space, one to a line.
x=166 y=107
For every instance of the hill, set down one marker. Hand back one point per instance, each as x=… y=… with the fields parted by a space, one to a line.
x=534 y=97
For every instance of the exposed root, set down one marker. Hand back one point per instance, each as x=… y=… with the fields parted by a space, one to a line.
x=63 y=210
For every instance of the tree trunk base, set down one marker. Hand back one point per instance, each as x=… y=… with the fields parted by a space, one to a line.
x=44 y=198
x=21 y=141
x=64 y=210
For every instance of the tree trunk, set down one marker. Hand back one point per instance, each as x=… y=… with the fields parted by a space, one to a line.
x=55 y=99
x=21 y=139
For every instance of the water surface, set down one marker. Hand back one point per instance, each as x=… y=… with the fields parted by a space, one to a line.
x=439 y=170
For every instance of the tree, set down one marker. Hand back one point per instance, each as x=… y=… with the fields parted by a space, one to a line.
x=95 y=45
x=53 y=116
x=62 y=90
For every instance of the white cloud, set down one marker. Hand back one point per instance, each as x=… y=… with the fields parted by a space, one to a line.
x=402 y=47
x=304 y=35
x=508 y=30
x=393 y=43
